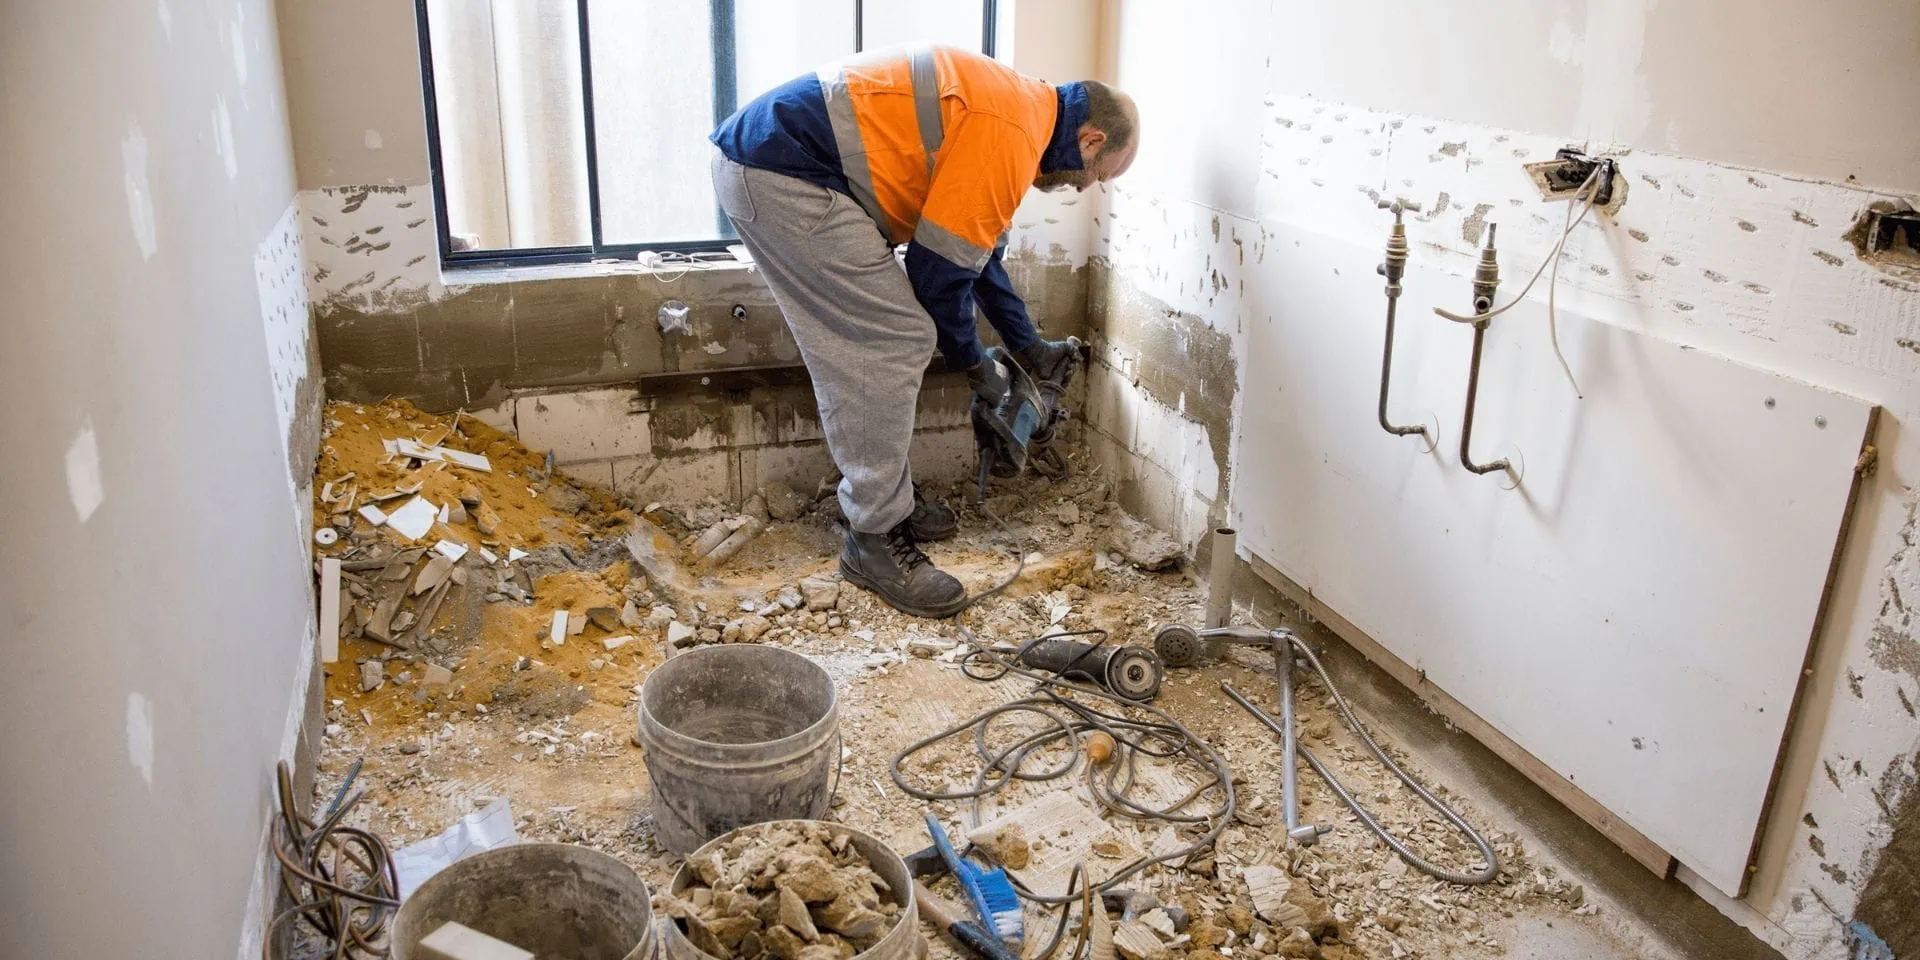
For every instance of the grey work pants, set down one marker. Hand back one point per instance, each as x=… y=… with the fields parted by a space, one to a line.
x=863 y=334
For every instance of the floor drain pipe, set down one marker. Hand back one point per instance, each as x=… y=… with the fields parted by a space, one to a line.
x=1220 y=577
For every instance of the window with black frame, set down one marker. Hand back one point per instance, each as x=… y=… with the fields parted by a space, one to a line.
x=567 y=130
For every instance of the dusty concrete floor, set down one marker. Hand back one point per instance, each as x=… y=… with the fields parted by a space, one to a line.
x=573 y=774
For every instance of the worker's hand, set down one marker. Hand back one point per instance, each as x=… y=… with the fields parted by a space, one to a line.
x=989 y=382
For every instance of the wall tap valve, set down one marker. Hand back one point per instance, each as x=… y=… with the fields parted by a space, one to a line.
x=1395 y=265
x=1394 y=268
x=1486 y=276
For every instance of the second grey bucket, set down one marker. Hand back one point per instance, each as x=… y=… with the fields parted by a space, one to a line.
x=736 y=735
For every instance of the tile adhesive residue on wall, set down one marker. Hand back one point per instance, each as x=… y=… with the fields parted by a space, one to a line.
x=1751 y=264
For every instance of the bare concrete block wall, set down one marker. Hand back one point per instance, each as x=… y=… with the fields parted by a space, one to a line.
x=159 y=412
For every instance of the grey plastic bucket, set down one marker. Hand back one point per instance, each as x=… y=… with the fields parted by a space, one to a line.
x=900 y=943
x=737 y=735
x=554 y=899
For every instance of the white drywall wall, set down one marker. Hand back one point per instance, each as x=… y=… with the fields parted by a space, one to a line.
x=153 y=568
x=1759 y=121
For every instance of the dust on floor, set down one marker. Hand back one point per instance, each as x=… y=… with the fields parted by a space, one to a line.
x=550 y=725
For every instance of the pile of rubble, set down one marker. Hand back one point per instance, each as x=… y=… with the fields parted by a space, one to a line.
x=428 y=521
x=784 y=890
x=521 y=682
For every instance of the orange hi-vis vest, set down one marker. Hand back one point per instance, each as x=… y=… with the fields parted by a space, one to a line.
x=938 y=145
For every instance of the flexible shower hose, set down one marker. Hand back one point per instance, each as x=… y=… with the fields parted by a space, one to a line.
x=1485 y=874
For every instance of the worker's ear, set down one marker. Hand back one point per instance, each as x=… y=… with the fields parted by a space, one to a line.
x=1091 y=140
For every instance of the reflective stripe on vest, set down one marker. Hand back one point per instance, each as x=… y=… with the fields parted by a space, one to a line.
x=926 y=103
x=853 y=152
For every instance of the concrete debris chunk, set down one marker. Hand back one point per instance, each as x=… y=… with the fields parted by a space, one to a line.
x=753 y=628
x=1143 y=546
x=783 y=504
x=820 y=594
x=430 y=576
x=1299 y=943
x=565 y=498
x=576 y=624
x=485 y=520
x=373 y=674
x=437 y=676
x=793 y=913
x=929 y=647
x=789 y=598
x=606 y=618
x=811 y=878
x=847 y=916
x=1005 y=841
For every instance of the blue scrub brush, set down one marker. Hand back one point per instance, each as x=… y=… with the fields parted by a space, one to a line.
x=990 y=889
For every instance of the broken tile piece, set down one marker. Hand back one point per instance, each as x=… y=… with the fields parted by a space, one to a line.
x=414 y=519
x=471 y=461
x=558 y=632
x=450 y=549
x=373 y=515
x=576 y=623
x=615 y=643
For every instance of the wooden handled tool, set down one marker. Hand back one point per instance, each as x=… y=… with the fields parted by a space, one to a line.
x=970 y=934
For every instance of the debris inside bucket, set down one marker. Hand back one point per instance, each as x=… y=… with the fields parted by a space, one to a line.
x=480 y=700
x=791 y=891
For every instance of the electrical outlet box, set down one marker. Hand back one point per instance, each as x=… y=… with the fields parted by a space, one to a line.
x=1562 y=177
x=1894 y=233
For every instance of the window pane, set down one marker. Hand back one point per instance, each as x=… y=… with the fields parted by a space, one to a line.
x=956 y=23
x=652 y=110
x=654 y=99
x=782 y=39
x=513 y=152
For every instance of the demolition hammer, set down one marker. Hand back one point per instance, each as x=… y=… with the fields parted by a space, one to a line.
x=1017 y=430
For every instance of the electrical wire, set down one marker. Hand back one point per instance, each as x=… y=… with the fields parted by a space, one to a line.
x=1590 y=190
x=1485 y=874
x=687 y=262
x=342 y=878
x=1067 y=719
x=1020 y=559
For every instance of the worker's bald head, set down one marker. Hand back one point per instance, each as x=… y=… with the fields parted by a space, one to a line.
x=1108 y=140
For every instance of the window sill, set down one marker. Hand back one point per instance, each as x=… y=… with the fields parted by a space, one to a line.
x=456 y=275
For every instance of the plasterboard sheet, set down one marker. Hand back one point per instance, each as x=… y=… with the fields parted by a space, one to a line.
x=1637 y=611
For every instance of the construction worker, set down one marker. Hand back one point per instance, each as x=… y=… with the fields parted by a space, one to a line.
x=932 y=148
